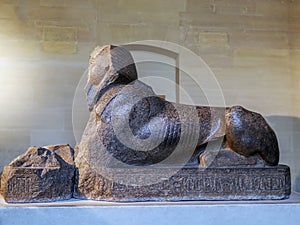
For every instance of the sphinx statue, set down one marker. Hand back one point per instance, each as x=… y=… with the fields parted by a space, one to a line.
x=130 y=125
x=113 y=80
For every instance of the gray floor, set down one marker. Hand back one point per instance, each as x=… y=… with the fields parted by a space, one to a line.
x=189 y=212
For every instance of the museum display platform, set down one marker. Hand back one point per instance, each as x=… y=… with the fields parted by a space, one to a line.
x=185 y=212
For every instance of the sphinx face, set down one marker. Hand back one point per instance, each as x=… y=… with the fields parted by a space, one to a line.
x=99 y=64
x=97 y=74
x=108 y=65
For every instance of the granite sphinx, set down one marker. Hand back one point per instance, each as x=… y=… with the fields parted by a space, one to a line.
x=131 y=129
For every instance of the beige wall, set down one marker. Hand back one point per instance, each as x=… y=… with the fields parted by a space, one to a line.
x=252 y=47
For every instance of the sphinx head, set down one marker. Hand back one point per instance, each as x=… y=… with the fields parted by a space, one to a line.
x=108 y=65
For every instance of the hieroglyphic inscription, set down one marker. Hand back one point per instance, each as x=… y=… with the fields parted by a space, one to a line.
x=23 y=184
x=214 y=182
x=218 y=185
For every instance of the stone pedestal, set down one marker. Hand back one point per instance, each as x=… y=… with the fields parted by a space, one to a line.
x=37 y=184
x=190 y=183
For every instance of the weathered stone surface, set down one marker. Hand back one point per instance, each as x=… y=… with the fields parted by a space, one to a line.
x=59 y=34
x=213 y=39
x=57 y=39
x=60 y=47
x=191 y=183
x=227 y=158
x=39 y=175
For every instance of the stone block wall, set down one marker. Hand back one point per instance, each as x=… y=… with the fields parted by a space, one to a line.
x=252 y=46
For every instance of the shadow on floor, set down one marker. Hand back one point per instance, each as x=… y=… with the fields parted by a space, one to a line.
x=287 y=129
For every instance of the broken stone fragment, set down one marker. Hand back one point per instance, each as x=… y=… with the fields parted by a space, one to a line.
x=227 y=158
x=41 y=174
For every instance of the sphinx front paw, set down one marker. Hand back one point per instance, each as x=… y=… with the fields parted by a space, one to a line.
x=248 y=133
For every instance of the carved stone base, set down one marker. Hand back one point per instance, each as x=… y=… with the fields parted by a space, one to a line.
x=21 y=185
x=41 y=174
x=192 y=183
